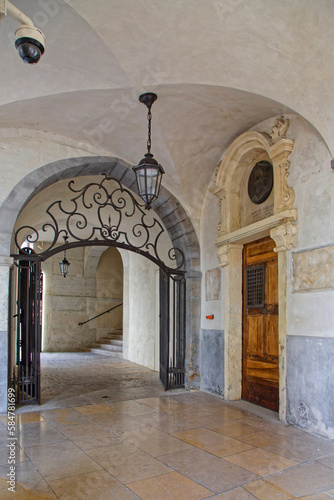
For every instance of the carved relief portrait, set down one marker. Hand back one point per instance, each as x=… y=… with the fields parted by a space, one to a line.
x=260 y=182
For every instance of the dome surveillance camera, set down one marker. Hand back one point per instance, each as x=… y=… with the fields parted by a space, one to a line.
x=30 y=43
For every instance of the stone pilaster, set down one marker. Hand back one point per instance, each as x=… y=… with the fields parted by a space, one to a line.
x=284 y=195
x=233 y=321
x=5 y=264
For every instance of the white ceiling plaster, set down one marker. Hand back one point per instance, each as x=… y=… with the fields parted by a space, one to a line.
x=218 y=66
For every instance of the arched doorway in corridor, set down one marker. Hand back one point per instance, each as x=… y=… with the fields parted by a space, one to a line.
x=93 y=214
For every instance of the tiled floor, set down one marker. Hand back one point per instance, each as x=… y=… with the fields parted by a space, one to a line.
x=188 y=445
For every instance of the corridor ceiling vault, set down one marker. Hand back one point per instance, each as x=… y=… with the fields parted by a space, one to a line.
x=219 y=68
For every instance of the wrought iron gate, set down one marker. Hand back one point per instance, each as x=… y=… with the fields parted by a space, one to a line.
x=26 y=376
x=97 y=214
x=172 y=329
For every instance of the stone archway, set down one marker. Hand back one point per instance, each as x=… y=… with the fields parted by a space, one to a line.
x=167 y=207
x=233 y=233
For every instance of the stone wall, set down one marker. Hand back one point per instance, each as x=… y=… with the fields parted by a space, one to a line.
x=212 y=361
x=310 y=384
x=86 y=291
x=109 y=292
x=67 y=302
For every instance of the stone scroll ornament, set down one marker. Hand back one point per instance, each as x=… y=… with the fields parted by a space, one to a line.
x=102 y=211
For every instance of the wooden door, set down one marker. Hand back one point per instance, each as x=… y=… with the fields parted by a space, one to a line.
x=260 y=372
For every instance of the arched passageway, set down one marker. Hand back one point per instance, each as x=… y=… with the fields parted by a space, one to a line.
x=173 y=219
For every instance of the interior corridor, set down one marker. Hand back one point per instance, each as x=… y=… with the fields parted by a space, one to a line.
x=107 y=430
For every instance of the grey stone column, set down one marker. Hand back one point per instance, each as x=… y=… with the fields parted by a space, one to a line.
x=5 y=264
x=192 y=361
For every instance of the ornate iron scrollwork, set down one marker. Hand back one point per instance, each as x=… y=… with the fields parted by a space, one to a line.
x=102 y=211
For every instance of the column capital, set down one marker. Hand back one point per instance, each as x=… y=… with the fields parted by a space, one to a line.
x=224 y=253
x=285 y=236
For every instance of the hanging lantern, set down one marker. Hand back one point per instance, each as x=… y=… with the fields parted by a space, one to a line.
x=148 y=171
x=64 y=264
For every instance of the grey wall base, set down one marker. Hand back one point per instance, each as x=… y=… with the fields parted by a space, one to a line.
x=3 y=371
x=212 y=361
x=310 y=384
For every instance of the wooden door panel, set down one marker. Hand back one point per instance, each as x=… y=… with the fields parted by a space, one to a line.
x=255 y=326
x=260 y=378
x=271 y=337
x=262 y=370
x=271 y=288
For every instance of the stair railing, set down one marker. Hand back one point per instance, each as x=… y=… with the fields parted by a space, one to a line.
x=101 y=314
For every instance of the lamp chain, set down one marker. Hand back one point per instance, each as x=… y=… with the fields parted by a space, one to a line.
x=149 y=116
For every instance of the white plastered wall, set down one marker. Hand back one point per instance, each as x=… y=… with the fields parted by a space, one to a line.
x=141 y=337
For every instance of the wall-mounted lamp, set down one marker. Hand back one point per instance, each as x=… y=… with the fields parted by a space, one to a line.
x=148 y=171
x=29 y=40
x=64 y=264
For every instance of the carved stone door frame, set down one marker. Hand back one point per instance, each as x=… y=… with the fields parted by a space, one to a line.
x=281 y=227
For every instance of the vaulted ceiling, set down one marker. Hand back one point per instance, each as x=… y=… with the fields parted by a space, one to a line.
x=219 y=67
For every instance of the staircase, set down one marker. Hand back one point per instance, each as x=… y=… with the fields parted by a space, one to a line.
x=111 y=345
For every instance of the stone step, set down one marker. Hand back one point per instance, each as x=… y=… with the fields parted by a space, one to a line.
x=105 y=352
x=110 y=344
x=116 y=331
x=107 y=347
x=107 y=340
x=112 y=336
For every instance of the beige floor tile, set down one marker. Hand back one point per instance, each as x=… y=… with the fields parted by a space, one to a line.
x=229 y=412
x=170 y=486
x=235 y=494
x=132 y=408
x=327 y=460
x=263 y=490
x=234 y=429
x=261 y=462
x=98 y=485
x=299 y=449
x=127 y=463
x=316 y=496
x=24 y=418
x=213 y=442
x=116 y=421
x=211 y=472
x=58 y=460
x=163 y=404
x=39 y=433
x=3 y=484
x=305 y=479
x=64 y=416
x=210 y=420
x=282 y=429
x=165 y=422
x=193 y=399
x=191 y=414
x=153 y=441
x=93 y=409
x=261 y=439
x=254 y=421
x=88 y=436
